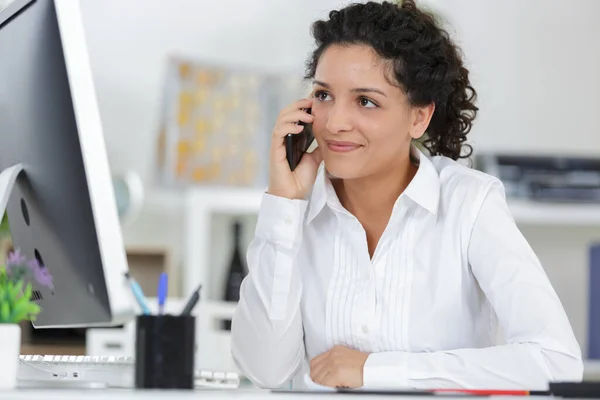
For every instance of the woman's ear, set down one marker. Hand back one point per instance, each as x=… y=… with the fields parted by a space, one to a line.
x=421 y=116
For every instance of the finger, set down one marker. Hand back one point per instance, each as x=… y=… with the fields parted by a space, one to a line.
x=322 y=376
x=295 y=116
x=288 y=127
x=278 y=143
x=319 y=358
x=317 y=369
x=302 y=103
x=320 y=361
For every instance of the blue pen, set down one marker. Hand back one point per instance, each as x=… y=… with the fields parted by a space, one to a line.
x=162 y=292
x=138 y=293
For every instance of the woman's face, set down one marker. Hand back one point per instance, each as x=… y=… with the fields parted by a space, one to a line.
x=363 y=124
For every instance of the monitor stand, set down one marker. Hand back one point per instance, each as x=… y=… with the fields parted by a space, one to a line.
x=8 y=177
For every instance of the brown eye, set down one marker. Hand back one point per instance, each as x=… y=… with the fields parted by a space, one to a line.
x=366 y=103
x=321 y=95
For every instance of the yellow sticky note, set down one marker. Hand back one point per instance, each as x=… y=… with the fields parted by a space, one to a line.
x=184 y=117
x=183 y=147
x=199 y=145
x=202 y=127
x=199 y=174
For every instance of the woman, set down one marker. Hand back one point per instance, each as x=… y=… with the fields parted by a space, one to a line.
x=386 y=267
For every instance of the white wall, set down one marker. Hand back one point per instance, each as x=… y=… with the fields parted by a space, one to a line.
x=536 y=66
x=130 y=40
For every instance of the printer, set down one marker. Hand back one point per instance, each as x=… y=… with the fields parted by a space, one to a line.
x=545 y=178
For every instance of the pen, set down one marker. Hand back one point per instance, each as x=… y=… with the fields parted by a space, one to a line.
x=448 y=392
x=187 y=310
x=493 y=392
x=138 y=293
x=162 y=292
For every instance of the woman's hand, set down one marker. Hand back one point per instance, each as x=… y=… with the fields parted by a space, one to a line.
x=283 y=181
x=339 y=367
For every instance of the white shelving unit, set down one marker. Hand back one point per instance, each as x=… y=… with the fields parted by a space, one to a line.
x=202 y=204
x=207 y=212
x=539 y=213
x=186 y=222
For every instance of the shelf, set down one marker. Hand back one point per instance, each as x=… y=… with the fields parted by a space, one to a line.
x=221 y=199
x=163 y=199
x=242 y=200
x=540 y=213
x=225 y=200
x=233 y=200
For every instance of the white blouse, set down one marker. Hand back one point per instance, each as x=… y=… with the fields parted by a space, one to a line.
x=454 y=297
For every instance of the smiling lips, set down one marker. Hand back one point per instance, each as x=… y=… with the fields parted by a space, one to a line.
x=342 y=147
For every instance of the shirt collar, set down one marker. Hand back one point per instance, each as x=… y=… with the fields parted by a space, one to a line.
x=318 y=197
x=423 y=189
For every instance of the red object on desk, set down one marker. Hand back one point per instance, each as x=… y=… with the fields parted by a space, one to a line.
x=488 y=392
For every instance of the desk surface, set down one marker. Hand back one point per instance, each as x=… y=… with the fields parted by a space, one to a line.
x=127 y=394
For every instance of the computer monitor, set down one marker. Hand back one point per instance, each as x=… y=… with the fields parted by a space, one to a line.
x=62 y=208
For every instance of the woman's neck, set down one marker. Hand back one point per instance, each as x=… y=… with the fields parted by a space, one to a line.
x=375 y=194
x=371 y=199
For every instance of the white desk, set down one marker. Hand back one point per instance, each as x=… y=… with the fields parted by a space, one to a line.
x=202 y=394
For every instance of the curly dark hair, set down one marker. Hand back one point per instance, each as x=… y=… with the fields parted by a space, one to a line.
x=426 y=64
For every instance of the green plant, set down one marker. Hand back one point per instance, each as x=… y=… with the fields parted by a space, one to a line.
x=4 y=228
x=15 y=304
x=16 y=288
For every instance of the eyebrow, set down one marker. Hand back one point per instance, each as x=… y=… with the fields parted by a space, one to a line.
x=356 y=90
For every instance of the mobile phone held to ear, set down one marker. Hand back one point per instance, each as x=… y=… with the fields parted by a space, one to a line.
x=296 y=144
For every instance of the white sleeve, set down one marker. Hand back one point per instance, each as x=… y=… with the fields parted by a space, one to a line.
x=266 y=333
x=541 y=346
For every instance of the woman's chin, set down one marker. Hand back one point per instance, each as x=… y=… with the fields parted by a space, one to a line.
x=342 y=170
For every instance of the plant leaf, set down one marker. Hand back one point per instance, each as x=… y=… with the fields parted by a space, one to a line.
x=16 y=290
x=27 y=293
x=24 y=311
x=5 y=312
x=18 y=301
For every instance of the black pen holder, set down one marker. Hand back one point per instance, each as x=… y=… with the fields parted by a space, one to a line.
x=164 y=351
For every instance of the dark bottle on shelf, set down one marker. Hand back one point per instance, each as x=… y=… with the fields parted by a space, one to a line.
x=236 y=272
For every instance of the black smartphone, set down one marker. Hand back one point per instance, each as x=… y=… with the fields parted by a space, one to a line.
x=296 y=144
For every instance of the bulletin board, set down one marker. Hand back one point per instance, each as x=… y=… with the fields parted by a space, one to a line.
x=217 y=121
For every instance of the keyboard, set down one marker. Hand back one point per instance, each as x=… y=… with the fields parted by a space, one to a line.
x=111 y=371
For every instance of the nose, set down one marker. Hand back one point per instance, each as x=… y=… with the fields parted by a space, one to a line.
x=338 y=119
